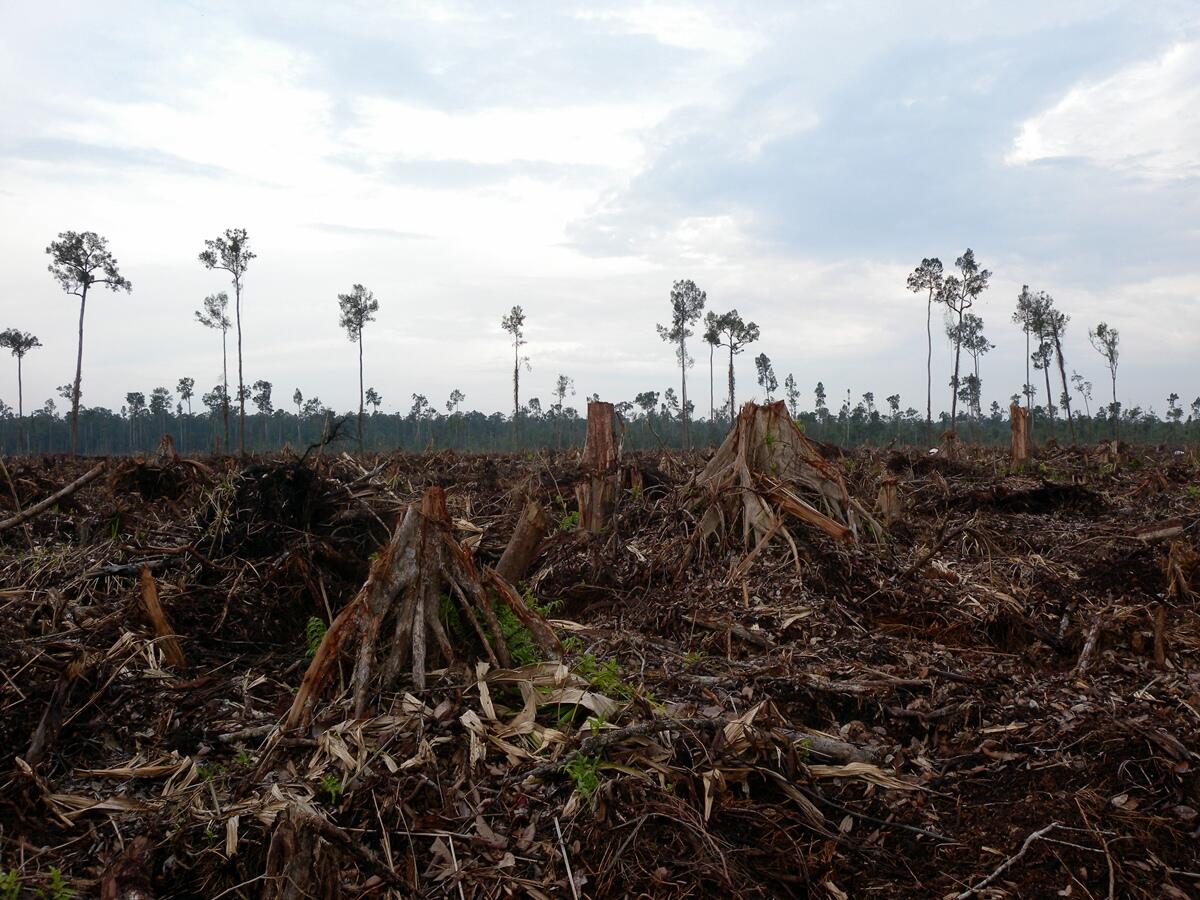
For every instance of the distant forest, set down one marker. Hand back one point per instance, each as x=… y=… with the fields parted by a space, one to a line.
x=138 y=429
x=250 y=412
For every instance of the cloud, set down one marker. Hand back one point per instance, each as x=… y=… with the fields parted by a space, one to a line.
x=364 y=231
x=1143 y=120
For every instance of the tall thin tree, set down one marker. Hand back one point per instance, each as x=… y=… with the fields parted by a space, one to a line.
x=231 y=253
x=735 y=333
x=927 y=278
x=1107 y=342
x=358 y=308
x=687 y=302
x=78 y=262
x=19 y=343
x=187 y=389
x=213 y=315
x=712 y=337
x=959 y=293
x=514 y=324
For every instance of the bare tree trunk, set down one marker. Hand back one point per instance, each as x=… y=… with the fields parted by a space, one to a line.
x=1049 y=398
x=225 y=383
x=712 y=388
x=683 y=411
x=21 y=437
x=360 y=392
x=732 y=408
x=78 y=377
x=929 y=368
x=1116 y=419
x=237 y=290
x=954 y=382
x=516 y=389
x=1062 y=373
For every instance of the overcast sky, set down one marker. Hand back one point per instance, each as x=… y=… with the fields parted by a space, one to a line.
x=795 y=159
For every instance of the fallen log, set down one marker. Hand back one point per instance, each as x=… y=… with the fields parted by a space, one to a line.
x=62 y=494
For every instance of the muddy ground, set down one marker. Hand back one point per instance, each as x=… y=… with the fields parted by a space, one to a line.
x=1001 y=694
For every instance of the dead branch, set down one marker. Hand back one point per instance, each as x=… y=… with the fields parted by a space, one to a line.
x=37 y=509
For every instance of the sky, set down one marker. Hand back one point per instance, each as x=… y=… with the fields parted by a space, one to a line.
x=795 y=159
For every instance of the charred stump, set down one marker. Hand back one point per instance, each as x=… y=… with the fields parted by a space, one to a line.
x=765 y=470
x=596 y=491
x=396 y=624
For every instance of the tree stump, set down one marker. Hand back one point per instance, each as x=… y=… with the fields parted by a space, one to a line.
x=596 y=491
x=525 y=543
x=396 y=622
x=767 y=468
x=1019 y=424
x=887 y=503
x=301 y=864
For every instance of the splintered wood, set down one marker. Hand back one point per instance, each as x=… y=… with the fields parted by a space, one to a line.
x=1019 y=425
x=596 y=491
x=397 y=621
x=767 y=469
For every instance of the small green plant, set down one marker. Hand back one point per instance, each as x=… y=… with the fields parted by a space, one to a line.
x=57 y=889
x=771 y=440
x=314 y=633
x=692 y=657
x=522 y=648
x=207 y=772
x=584 y=771
x=1194 y=491
x=244 y=759
x=636 y=492
x=10 y=885
x=605 y=676
x=331 y=785
x=570 y=521
x=571 y=643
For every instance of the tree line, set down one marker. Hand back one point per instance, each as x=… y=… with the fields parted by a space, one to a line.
x=81 y=263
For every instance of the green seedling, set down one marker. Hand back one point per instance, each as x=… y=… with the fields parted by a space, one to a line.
x=314 y=633
x=331 y=785
x=584 y=771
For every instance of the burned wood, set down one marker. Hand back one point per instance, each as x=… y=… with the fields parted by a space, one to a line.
x=31 y=512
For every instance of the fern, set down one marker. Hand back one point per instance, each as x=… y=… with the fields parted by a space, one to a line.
x=314 y=633
x=10 y=885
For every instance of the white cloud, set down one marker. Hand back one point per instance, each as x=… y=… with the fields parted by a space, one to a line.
x=685 y=27
x=1144 y=120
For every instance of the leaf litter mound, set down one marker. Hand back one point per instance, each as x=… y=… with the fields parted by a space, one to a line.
x=990 y=690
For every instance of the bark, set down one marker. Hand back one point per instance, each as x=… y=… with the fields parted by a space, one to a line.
x=1049 y=398
x=732 y=413
x=683 y=410
x=167 y=639
x=1062 y=373
x=954 y=383
x=237 y=290
x=225 y=383
x=21 y=437
x=1019 y=425
x=78 y=376
x=360 y=391
x=130 y=876
x=887 y=504
x=596 y=491
x=396 y=622
x=301 y=864
x=525 y=543
x=929 y=368
x=765 y=469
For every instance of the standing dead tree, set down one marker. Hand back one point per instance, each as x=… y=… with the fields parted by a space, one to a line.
x=767 y=469
x=1019 y=424
x=397 y=620
x=596 y=491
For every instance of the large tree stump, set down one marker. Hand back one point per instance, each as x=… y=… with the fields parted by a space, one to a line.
x=525 y=543
x=301 y=864
x=396 y=621
x=767 y=468
x=596 y=491
x=1019 y=425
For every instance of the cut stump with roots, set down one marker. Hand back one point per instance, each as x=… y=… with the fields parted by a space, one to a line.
x=765 y=470
x=396 y=624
